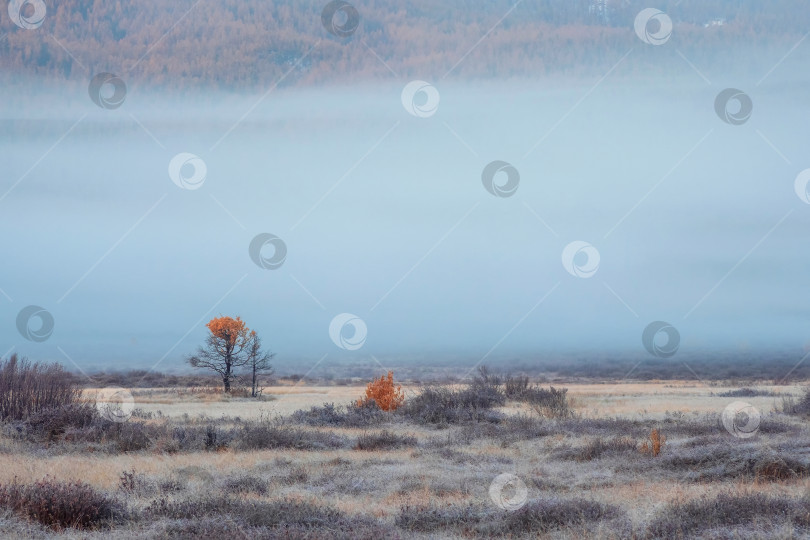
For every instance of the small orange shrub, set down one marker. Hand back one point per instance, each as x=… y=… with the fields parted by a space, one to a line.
x=654 y=443
x=387 y=396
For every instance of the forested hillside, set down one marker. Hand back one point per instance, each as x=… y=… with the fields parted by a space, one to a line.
x=229 y=43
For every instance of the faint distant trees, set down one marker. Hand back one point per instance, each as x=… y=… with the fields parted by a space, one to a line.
x=230 y=345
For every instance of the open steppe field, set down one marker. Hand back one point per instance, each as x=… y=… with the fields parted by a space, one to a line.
x=628 y=399
x=669 y=459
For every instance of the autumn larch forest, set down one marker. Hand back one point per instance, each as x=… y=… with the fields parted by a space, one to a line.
x=238 y=44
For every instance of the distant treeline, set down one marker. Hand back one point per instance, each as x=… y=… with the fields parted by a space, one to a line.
x=245 y=43
x=775 y=368
x=139 y=378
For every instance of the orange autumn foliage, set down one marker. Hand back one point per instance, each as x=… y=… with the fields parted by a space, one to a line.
x=654 y=443
x=228 y=329
x=387 y=396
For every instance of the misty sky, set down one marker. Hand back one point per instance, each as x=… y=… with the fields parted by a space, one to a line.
x=385 y=216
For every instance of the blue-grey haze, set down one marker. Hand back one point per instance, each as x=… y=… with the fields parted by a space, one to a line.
x=370 y=222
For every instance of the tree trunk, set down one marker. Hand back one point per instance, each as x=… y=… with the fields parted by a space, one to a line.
x=226 y=379
x=253 y=392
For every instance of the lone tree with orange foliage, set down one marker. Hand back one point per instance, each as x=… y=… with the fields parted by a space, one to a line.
x=230 y=345
x=383 y=392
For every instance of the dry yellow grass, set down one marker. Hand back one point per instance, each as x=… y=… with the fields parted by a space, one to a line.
x=417 y=476
x=649 y=399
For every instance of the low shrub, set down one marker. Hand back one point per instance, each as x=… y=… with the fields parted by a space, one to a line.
x=135 y=483
x=516 y=387
x=444 y=405
x=776 y=468
x=504 y=429
x=208 y=528
x=192 y=474
x=252 y=512
x=384 y=440
x=605 y=427
x=552 y=402
x=428 y=519
x=28 y=389
x=167 y=435
x=549 y=514
x=597 y=448
x=61 y=505
x=244 y=484
x=217 y=439
x=265 y=434
x=282 y=518
x=719 y=462
x=50 y=424
x=441 y=405
x=537 y=516
x=352 y=415
x=483 y=391
x=240 y=391
x=296 y=475
x=130 y=436
x=800 y=407
x=186 y=438
x=788 y=405
x=748 y=392
x=683 y=520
